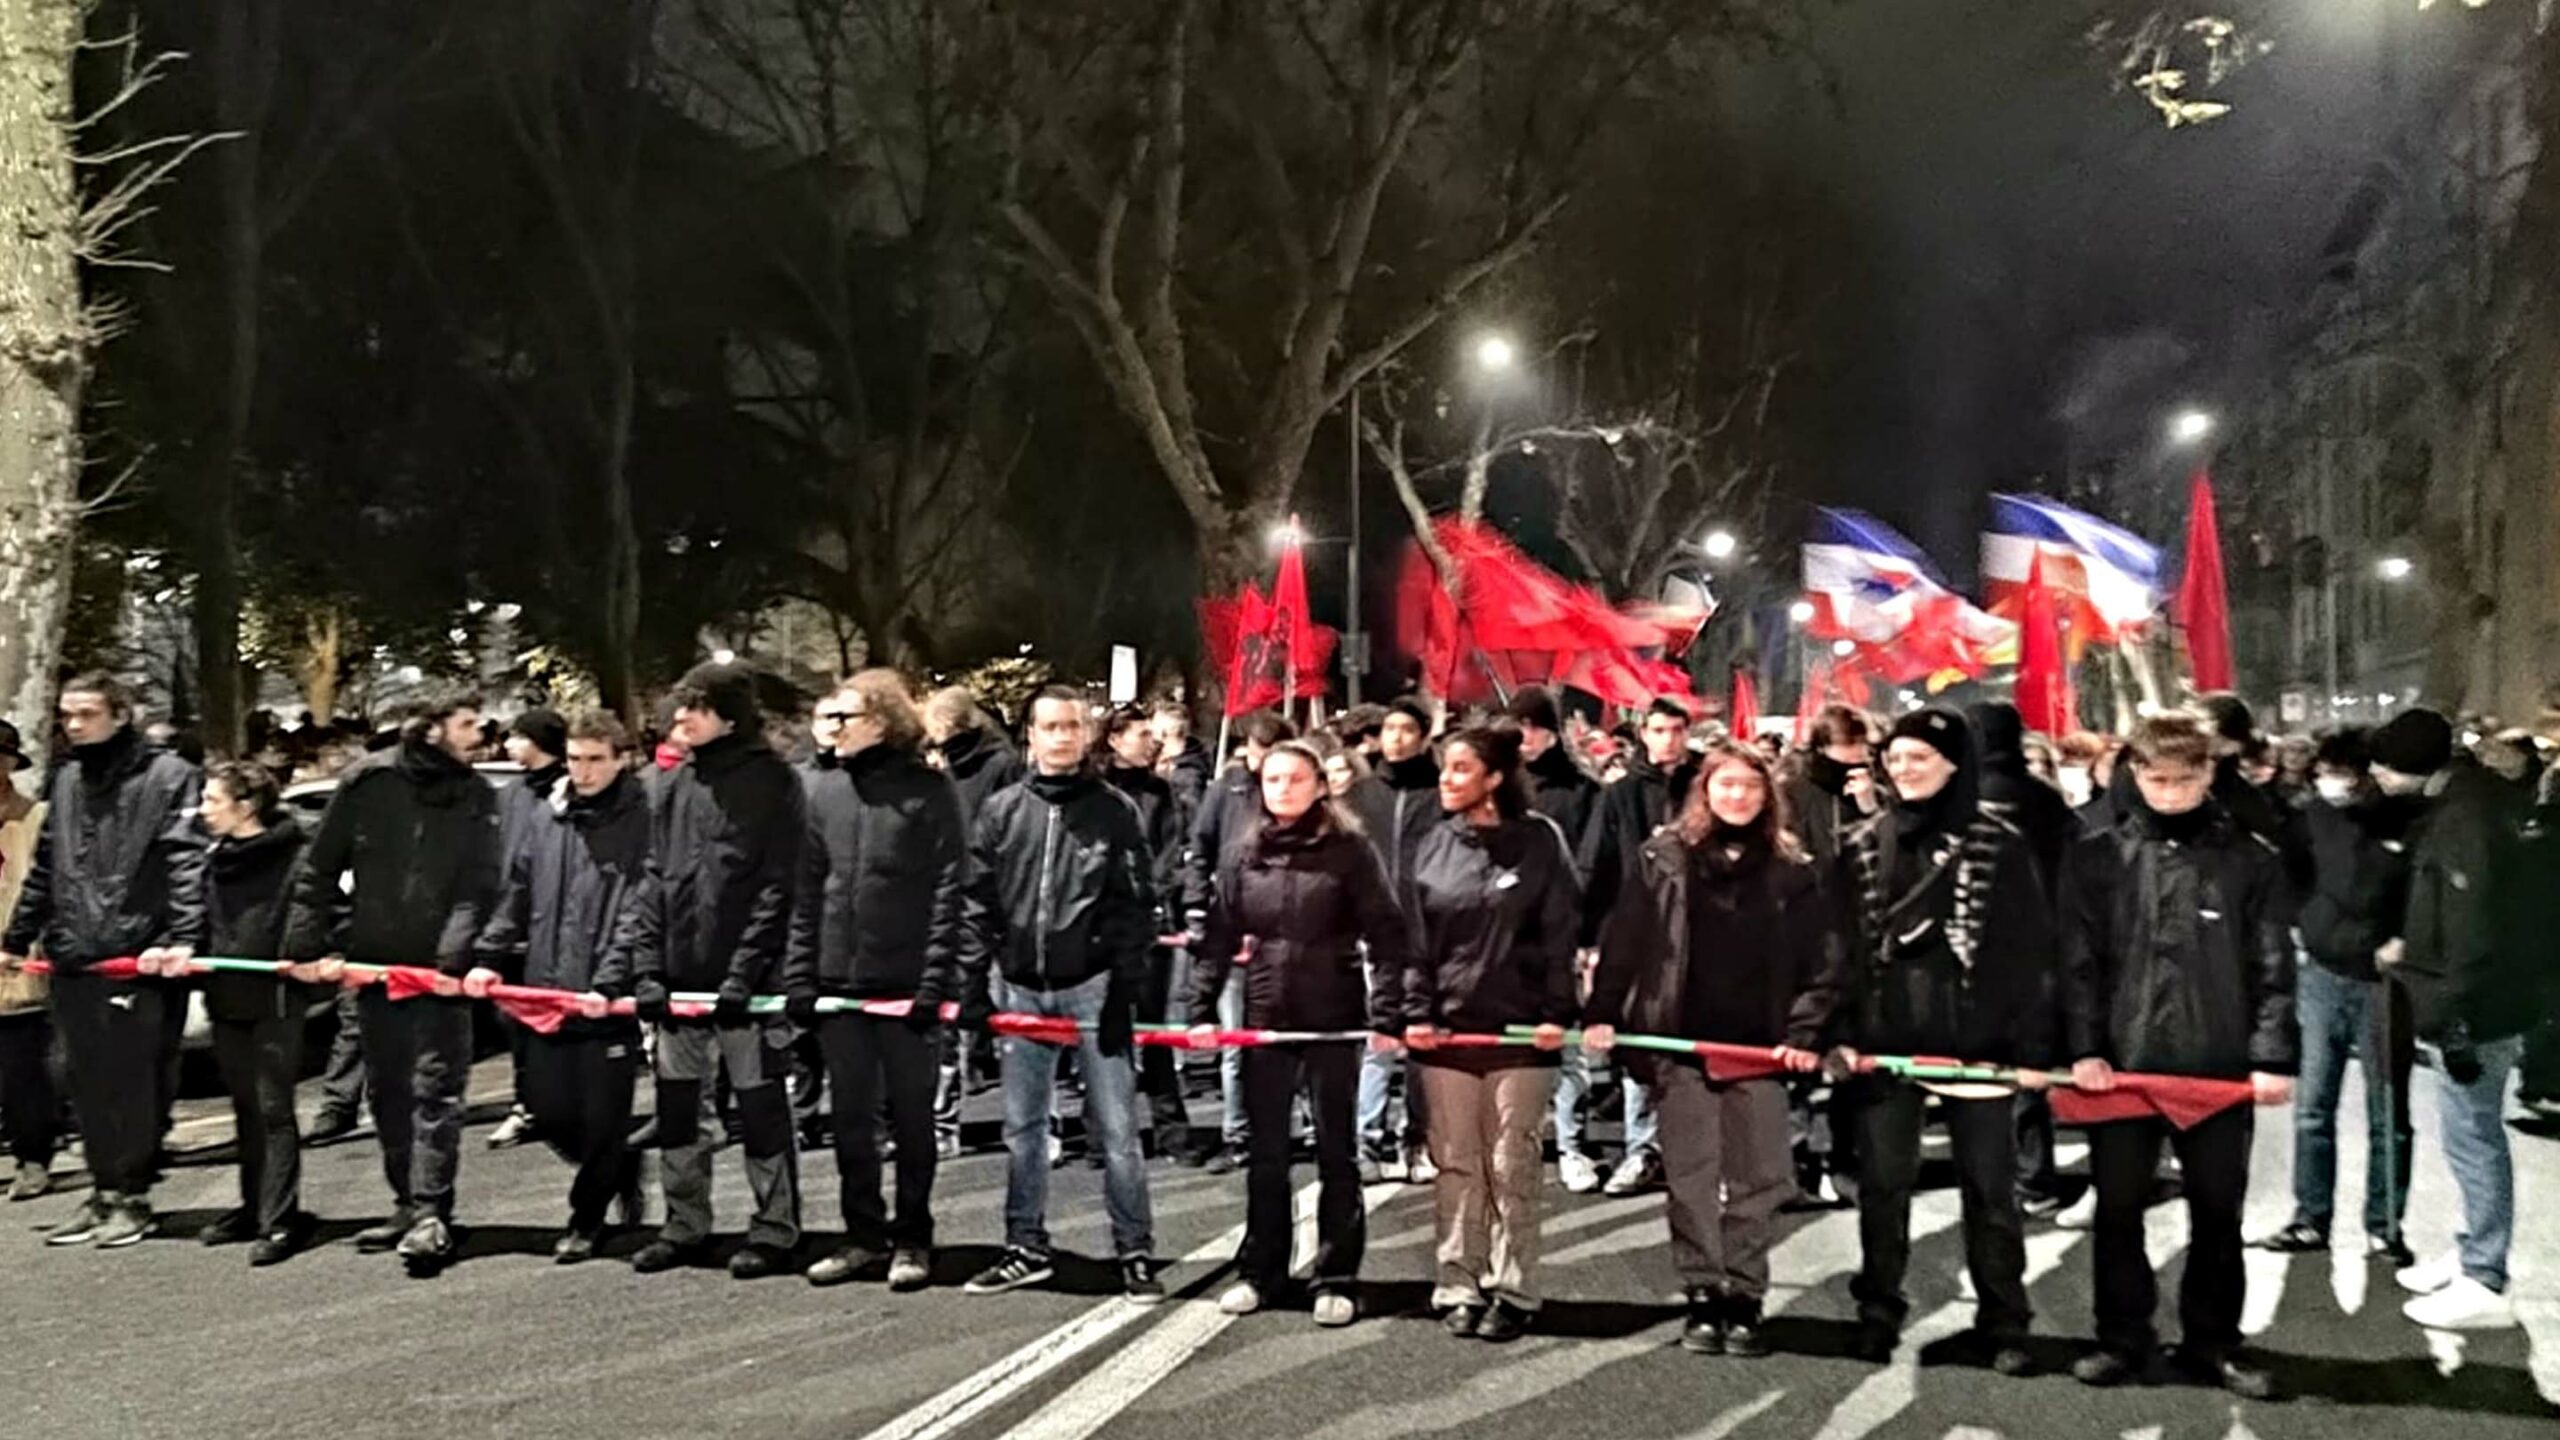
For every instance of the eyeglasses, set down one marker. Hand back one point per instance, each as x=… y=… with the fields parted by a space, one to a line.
x=838 y=717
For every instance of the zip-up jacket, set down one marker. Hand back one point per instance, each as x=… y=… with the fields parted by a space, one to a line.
x=1293 y=906
x=1160 y=821
x=1627 y=816
x=1058 y=888
x=2470 y=960
x=1496 y=912
x=725 y=831
x=1397 y=805
x=574 y=874
x=418 y=830
x=883 y=873
x=2360 y=882
x=119 y=865
x=2175 y=952
x=245 y=890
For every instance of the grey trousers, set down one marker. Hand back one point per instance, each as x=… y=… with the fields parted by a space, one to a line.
x=691 y=1054
x=1725 y=1156
x=419 y=1053
x=1483 y=1129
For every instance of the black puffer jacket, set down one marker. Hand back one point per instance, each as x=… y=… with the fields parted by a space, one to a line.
x=245 y=890
x=419 y=831
x=119 y=865
x=2175 y=956
x=1770 y=974
x=882 y=875
x=980 y=762
x=2360 y=881
x=1059 y=888
x=1292 y=907
x=577 y=867
x=1563 y=791
x=2471 y=948
x=725 y=830
x=1496 y=912
x=1626 y=817
x=1225 y=815
x=1160 y=820
x=1397 y=805
x=2258 y=812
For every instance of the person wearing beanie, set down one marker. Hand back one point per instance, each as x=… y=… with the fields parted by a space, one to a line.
x=2360 y=885
x=2465 y=953
x=2175 y=960
x=1397 y=805
x=1951 y=938
x=418 y=835
x=2233 y=733
x=1559 y=788
x=119 y=870
x=725 y=832
x=538 y=742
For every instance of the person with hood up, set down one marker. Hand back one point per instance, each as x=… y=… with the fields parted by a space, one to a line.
x=1058 y=920
x=1631 y=812
x=2466 y=957
x=257 y=1020
x=2360 y=887
x=2176 y=960
x=1724 y=936
x=714 y=913
x=2037 y=811
x=418 y=832
x=877 y=917
x=1293 y=910
x=1496 y=913
x=575 y=871
x=1397 y=805
x=1950 y=952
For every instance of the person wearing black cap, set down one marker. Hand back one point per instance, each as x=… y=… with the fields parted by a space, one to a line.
x=2471 y=994
x=1951 y=939
x=2360 y=886
x=2176 y=959
x=714 y=914
x=538 y=742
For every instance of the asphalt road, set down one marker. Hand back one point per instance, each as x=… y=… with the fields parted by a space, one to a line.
x=172 y=1339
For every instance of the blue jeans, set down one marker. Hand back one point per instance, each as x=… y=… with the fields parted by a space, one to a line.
x=2473 y=1118
x=1110 y=1121
x=2342 y=1018
x=1642 y=1123
x=1231 y=1066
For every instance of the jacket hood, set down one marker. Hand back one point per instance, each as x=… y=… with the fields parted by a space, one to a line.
x=432 y=770
x=273 y=845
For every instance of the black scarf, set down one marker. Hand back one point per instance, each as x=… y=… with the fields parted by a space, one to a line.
x=1421 y=772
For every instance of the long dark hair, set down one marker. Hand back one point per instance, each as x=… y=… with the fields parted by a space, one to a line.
x=1498 y=746
x=1698 y=825
x=1331 y=815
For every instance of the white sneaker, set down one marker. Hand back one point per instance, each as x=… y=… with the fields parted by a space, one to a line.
x=1580 y=1176
x=2429 y=1276
x=1241 y=1299
x=2081 y=1214
x=2466 y=1304
x=1637 y=1173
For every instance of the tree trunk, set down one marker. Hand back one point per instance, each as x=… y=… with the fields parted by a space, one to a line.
x=44 y=355
x=316 y=668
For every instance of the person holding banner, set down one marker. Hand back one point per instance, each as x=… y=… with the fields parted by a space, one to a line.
x=1497 y=912
x=1292 y=907
x=575 y=866
x=1953 y=939
x=1722 y=935
x=2176 y=959
x=877 y=916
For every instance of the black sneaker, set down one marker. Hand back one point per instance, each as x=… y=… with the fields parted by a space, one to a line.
x=1463 y=1321
x=234 y=1227
x=756 y=1262
x=2225 y=1371
x=2040 y=1207
x=1226 y=1162
x=1704 y=1332
x=330 y=1125
x=660 y=1255
x=1139 y=1281
x=2012 y=1360
x=2107 y=1369
x=1016 y=1269
x=1876 y=1343
x=2298 y=1238
x=282 y=1243
x=1505 y=1322
x=1742 y=1338
x=2384 y=1247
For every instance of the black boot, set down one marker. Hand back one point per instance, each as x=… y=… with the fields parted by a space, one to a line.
x=1704 y=1332
x=1742 y=1338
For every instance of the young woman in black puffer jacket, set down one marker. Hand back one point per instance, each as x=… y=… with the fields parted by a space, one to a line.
x=257 y=1021
x=1292 y=907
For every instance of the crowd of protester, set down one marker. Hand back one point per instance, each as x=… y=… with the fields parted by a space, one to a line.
x=2190 y=899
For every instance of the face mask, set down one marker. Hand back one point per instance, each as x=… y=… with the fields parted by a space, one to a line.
x=2336 y=789
x=2075 y=784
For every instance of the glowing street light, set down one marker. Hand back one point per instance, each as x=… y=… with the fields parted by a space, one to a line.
x=724 y=656
x=1720 y=545
x=1844 y=648
x=1495 y=354
x=2191 y=426
x=1801 y=612
x=1287 y=534
x=2395 y=568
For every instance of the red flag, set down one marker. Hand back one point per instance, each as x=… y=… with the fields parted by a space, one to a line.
x=2182 y=1100
x=1744 y=721
x=2202 y=609
x=2044 y=697
x=1511 y=622
x=1809 y=702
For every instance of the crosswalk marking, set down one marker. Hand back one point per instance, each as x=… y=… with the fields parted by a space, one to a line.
x=1889 y=1391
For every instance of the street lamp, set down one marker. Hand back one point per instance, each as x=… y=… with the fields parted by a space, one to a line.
x=1844 y=648
x=1720 y=545
x=2190 y=426
x=1287 y=534
x=1801 y=612
x=1495 y=354
x=2395 y=568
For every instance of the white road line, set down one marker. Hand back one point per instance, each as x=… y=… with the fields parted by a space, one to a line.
x=946 y=1413
x=1737 y=1417
x=2350 y=1279
x=1100 y=1397
x=1889 y=1391
x=2266 y=1272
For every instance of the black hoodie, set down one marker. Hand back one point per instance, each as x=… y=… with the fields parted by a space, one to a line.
x=419 y=831
x=245 y=889
x=119 y=865
x=2034 y=809
x=1397 y=805
x=980 y=763
x=1563 y=791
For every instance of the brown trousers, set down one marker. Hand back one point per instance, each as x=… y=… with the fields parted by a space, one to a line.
x=1728 y=1167
x=1483 y=1132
